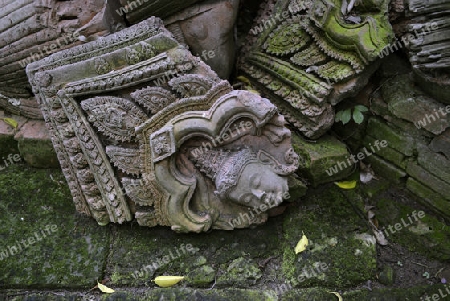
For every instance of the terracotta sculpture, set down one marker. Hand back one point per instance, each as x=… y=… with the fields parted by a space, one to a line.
x=145 y=130
x=309 y=55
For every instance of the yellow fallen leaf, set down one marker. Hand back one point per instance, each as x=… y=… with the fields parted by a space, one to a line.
x=337 y=295
x=167 y=281
x=346 y=184
x=243 y=79
x=301 y=245
x=11 y=122
x=104 y=288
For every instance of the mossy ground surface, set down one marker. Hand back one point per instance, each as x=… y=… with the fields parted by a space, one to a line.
x=248 y=264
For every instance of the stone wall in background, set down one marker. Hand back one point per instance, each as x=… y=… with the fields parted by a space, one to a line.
x=417 y=128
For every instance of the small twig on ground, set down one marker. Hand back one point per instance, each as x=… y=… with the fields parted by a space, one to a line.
x=420 y=264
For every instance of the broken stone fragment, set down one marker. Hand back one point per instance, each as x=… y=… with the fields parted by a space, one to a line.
x=307 y=58
x=143 y=129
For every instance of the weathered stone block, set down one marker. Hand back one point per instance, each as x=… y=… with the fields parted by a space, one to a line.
x=406 y=225
x=426 y=178
x=337 y=255
x=429 y=198
x=409 y=103
x=397 y=139
x=44 y=242
x=435 y=163
x=441 y=144
x=386 y=169
x=324 y=161
x=35 y=145
x=386 y=152
x=139 y=255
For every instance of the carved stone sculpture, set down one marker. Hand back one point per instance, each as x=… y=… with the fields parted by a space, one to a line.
x=207 y=27
x=33 y=29
x=309 y=55
x=428 y=40
x=145 y=130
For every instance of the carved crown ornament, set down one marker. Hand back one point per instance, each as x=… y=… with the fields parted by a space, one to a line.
x=186 y=152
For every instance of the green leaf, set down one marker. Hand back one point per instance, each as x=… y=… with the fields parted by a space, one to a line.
x=361 y=108
x=346 y=116
x=358 y=117
x=338 y=116
x=11 y=122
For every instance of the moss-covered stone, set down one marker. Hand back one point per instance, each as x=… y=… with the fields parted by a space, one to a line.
x=7 y=143
x=425 y=235
x=241 y=272
x=201 y=276
x=380 y=294
x=434 y=163
x=159 y=294
x=308 y=294
x=139 y=254
x=429 y=198
x=397 y=294
x=340 y=252
x=387 y=153
x=317 y=158
x=297 y=188
x=386 y=169
x=174 y=294
x=397 y=139
x=45 y=243
x=429 y=180
x=409 y=103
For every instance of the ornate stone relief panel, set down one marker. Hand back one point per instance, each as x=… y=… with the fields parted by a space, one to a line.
x=145 y=130
x=309 y=55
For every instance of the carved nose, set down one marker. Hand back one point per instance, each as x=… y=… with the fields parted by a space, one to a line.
x=258 y=193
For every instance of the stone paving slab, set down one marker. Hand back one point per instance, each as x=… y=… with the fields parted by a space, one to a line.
x=438 y=292
x=230 y=257
x=43 y=242
x=247 y=264
x=341 y=250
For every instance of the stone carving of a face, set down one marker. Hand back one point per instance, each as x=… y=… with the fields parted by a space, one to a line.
x=241 y=178
x=258 y=184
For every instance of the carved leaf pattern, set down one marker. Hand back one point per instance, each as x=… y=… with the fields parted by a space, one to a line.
x=191 y=85
x=126 y=159
x=153 y=98
x=287 y=38
x=113 y=116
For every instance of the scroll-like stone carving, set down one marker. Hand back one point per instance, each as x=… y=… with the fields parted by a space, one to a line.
x=309 y=55
x=186 y=152
x=114 y=117
x=31 y=30
x=428 y=41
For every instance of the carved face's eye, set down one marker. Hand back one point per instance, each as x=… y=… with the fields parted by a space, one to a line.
x=255 y=181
